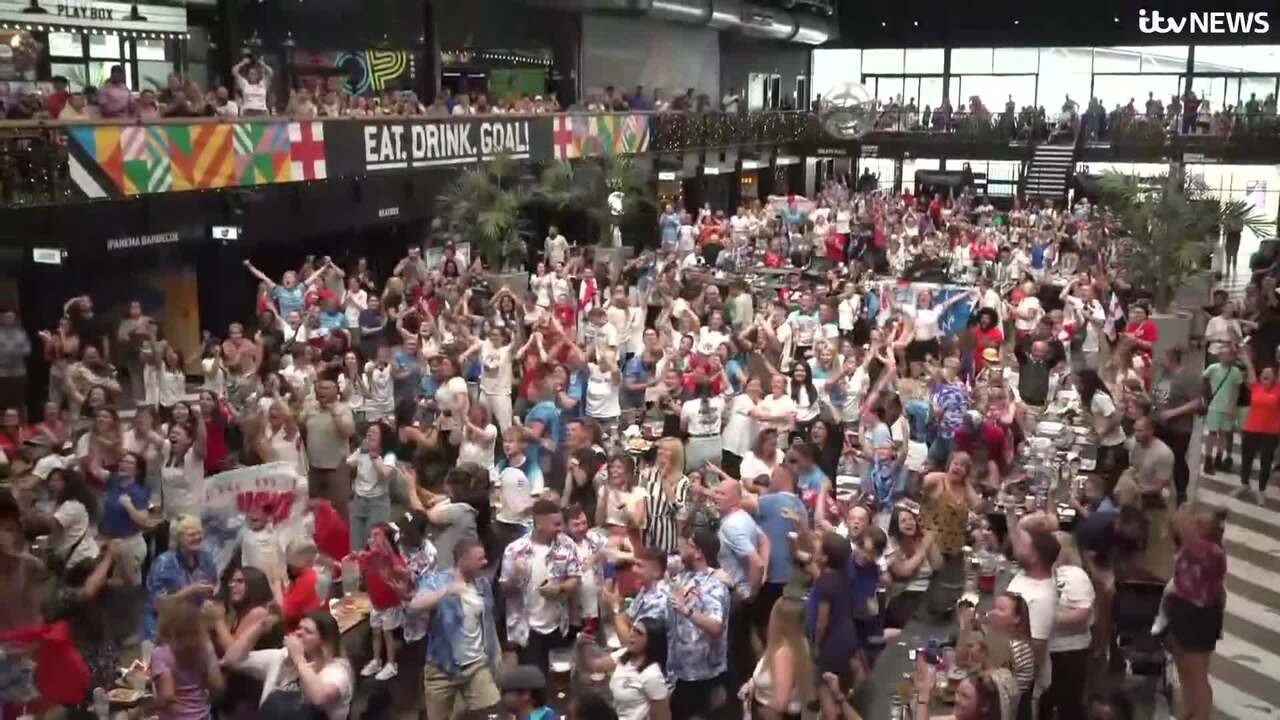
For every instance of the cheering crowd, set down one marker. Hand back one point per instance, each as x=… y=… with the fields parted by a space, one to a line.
x=718 y=480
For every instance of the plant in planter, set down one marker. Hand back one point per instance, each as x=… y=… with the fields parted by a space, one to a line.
x=1169 y=224
x=604 y=192
x=483 y=205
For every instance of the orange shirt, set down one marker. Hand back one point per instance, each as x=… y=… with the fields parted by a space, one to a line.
x=1264 y=409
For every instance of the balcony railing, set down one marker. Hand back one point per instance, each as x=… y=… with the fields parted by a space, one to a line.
x=49 y=162
x=43 y=162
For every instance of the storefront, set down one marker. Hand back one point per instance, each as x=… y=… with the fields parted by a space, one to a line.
x=82 y=39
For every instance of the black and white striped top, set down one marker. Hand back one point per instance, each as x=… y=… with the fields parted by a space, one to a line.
x=661 y=529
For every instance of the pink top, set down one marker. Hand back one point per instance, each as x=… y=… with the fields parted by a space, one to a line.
x=113 y=100
x=1199 y=571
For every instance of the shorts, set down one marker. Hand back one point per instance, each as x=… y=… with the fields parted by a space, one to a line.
x=917 y=350
x=387 y=618
x=1219 y=422
x=471 y=688
x=1193 y=628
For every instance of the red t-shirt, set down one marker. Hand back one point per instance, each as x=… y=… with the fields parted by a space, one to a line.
x=300 y=598
x=1264 y=409
x=835 y=247
x=1146 y=330
x=333 y=535
x=772 y=259
x=377 y=571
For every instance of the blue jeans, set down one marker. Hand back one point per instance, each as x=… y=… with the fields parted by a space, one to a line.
x=365 y=513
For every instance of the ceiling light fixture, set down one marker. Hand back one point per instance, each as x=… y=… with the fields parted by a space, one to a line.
x=135 y=15
x=34 y=9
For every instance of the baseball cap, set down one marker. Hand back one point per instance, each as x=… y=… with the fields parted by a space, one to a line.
x=522 y=677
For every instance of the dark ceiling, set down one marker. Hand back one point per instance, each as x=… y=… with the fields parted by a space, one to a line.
x=930 y=23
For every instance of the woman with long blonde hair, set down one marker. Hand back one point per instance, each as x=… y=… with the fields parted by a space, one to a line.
x=783 y=683
x=666 y=489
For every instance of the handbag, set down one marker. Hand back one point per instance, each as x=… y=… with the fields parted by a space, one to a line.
x=1207 y=400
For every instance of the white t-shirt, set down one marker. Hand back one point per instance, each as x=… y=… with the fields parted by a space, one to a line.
x=805 y=326
x=1103 y=406
x=919 y=582
x=544 y=614
x=380 y=400
x=468 y=646
x=1042 y=610
x=557 y=249
x=76 y=533
x=850 y=308
x=253 y=96
x=367 y=483
x=449 y=397
x=495 y=369
x=807 y=407
x=1029 y=305
x=633 y=689
x=753 y=467
x=478 y=447
x=740 y=429
x=602 y=394
x=926 y=322
x=776 y=406
x=1075 y=591
x=266 y=665
x=517 y=496
x=687 y=238
x=182 y=486
x=703 y=422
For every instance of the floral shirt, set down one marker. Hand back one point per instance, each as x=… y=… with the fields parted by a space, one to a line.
x=421 y=564
x=953 y=402
x=562 y=563
x=652 y=602
x=446 y=621
x=693 y=655
x=1199 y=572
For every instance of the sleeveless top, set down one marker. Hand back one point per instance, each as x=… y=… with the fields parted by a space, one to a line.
x=946 y=518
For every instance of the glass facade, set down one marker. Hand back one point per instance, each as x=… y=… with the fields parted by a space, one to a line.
x=1047 y=77
x=86 y=60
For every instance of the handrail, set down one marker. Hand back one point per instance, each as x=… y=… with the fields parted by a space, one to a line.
x=135 y=121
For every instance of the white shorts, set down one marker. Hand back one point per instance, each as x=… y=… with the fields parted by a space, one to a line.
x=387 y=618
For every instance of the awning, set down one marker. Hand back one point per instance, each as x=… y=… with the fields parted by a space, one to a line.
x=162 y=22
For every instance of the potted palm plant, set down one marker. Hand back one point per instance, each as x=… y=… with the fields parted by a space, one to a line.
x=1169 y=226
x=483 y=205
x=598 y=195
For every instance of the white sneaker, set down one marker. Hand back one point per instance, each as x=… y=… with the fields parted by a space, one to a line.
x=1259 y=498
x=373 y=667
x=387 y=672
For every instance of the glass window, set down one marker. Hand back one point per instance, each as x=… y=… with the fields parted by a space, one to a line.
x=970 y=60
x=995 y=90
x=883 y=61
x=1164 y=58
x=104 y=46
x=924 y=60
x=930 y=93
x=75 y=73
x=154 y=74
x=153 y=50
x=889 y=88
x=953 y=92
x=66 y=45
x=100 y=69
x=1015 y=60
x=1237 y=58
x=831 y=68
x=1061 y=60
x=1117 y=89
x=1211 y=91
x=1260 y=87
x=1116 y=60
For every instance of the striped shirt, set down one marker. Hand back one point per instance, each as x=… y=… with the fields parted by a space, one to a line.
x=661 y=530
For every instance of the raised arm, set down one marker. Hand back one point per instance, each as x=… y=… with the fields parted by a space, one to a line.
x=254 y=271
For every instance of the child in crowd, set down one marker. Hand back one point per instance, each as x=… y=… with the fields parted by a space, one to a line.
x=386 y=578
x=184 y=667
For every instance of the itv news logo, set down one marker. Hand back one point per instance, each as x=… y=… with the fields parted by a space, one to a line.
x=1204 y=23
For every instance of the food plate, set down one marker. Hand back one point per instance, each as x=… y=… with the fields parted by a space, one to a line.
x=125 y=696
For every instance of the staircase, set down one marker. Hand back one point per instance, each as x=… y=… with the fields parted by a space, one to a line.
x=1050 y=171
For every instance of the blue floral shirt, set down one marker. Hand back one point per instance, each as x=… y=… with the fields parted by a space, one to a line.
x=953 y=402
x=654 y=602
x=446 y=621
x=169 y=575
x=692 y=655
x=562 y=563
x=421 y=564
